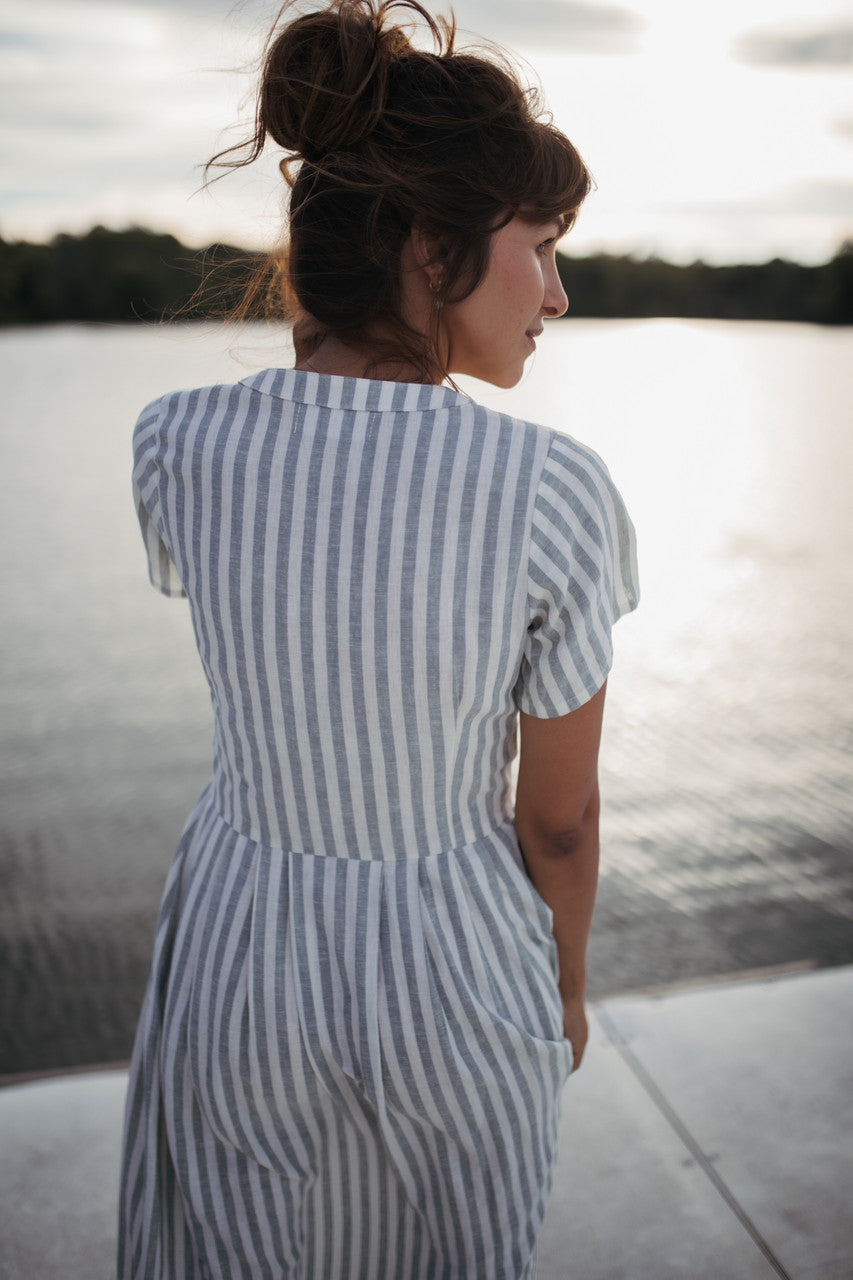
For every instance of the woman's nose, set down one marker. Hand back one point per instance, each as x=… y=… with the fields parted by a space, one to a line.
x=556 y=299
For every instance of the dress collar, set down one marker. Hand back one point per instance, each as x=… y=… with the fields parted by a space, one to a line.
x=337 y=392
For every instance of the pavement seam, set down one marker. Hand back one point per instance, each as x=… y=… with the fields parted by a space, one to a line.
x=660 y=1100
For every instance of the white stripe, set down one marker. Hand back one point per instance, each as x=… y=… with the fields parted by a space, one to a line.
x=312 y=839
x=372 y=730
x=270 y=607
x=430 y=752
x=352 y=729
x=401 y=761
x=319 y=555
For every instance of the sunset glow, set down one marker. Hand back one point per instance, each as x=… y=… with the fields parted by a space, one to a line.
x=718 y=131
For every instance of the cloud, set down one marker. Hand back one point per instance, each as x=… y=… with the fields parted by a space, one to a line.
x=109 y=107
x=828 y=46
x=557 y=26
x=18 y=40
x=582 y=26
x=824 y=198
x=201 y=8
x=802 y=221
x=827 y=198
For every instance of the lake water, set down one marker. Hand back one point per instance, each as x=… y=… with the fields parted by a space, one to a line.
x=728 y=820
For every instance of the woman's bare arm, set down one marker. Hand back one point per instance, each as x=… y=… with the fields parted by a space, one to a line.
x=556 y=820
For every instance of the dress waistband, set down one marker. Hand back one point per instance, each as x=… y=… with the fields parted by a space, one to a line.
x=209 y=800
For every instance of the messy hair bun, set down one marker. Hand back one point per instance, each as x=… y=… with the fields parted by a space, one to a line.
x=324 y=76
x=380 y=135
x=325 y=80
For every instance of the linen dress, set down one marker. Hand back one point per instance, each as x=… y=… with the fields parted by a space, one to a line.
x=350 y=1055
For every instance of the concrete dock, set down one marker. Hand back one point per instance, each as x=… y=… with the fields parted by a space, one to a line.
x=708 y=1136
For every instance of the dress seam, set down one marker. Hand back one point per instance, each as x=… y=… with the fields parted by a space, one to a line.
x=509 y=821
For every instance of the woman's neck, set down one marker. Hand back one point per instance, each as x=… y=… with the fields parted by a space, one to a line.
x=333 y=356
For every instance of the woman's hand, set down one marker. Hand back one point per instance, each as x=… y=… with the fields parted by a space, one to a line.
x=575 y=1028
x=556 y=820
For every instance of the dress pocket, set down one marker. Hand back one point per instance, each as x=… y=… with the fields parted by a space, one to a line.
x=506 y=950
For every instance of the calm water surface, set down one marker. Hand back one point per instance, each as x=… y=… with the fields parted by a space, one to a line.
x=728 y=819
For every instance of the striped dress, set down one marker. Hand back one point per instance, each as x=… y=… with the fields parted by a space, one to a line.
x=350 y=1057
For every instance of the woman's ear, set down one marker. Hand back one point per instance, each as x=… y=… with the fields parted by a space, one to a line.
x=429 y=254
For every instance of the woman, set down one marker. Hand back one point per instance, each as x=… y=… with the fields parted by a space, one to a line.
x=359 y=1020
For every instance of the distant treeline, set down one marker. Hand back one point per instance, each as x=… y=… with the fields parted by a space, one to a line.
x=117 y=275
x=139 y=275
x=777 y=290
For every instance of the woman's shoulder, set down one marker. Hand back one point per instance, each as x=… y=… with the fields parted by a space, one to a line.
x=561 y=454
x=174 y=413
x=184 y=398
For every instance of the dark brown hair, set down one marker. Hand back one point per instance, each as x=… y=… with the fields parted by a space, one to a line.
x=380 y=135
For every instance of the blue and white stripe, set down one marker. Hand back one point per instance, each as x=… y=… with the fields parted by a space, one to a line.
x=350 y=1057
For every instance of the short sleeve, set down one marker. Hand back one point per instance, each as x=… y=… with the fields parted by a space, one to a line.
x=582 y=577
x=146 y=495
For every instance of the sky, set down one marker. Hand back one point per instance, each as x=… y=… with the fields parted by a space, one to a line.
x=715 y=129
